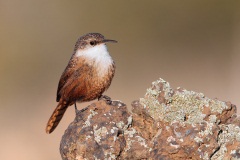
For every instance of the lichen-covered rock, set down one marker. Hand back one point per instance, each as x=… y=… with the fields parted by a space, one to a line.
x=103 y=131
x=191 y=125
x=96 y=132
x=163 y=103
x=165 y=124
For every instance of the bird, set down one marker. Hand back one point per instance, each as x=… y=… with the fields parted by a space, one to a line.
x=88 y=74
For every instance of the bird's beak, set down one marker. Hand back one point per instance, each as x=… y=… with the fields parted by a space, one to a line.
x=109 y=40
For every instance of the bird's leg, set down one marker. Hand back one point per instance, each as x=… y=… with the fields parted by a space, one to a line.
x=76 y=110
x=105 y=98
x=78 y=113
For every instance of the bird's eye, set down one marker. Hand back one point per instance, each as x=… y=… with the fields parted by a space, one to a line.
x=93 y=43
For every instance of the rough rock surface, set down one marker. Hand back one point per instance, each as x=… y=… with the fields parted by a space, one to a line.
x=165 y=124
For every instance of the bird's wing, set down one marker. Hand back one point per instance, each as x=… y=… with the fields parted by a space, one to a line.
x=69 y=70
x=77 y=84
x=72 y=78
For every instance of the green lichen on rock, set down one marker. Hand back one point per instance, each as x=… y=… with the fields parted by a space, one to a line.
x=206 y=116
x=230 y=136
x=179 y=105
x=229 y=133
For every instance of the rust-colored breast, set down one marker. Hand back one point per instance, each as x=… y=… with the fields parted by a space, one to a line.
x=81 y=82
x=96 y=85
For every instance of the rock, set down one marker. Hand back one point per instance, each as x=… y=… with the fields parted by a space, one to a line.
x=103 y=131
x=97 y=132
x=165 y=124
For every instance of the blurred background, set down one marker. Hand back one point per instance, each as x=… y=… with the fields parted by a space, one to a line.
x=192 y=44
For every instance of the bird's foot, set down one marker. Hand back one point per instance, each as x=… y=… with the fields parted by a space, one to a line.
x=106 y=99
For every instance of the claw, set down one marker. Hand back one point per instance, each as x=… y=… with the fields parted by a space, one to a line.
x=106 y=99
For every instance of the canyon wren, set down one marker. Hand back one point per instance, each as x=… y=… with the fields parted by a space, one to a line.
x=88 y=74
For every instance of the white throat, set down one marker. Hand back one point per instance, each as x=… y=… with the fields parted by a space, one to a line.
x=97 y=56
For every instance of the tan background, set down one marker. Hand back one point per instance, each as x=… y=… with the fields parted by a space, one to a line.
x=192 y=44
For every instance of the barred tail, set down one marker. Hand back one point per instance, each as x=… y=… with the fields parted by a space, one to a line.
x=56 y=117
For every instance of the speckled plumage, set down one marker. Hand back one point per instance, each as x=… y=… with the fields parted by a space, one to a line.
x=88 y=74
